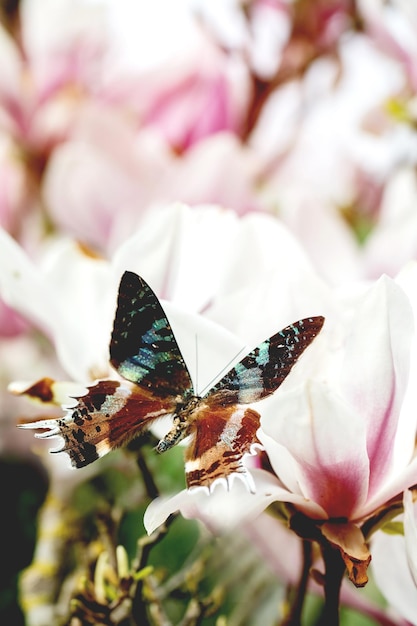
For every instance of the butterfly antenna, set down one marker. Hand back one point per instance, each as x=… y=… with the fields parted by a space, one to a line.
x=224 y=370
x=196 y=361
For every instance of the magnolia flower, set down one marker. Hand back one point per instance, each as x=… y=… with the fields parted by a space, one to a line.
x=340 y=444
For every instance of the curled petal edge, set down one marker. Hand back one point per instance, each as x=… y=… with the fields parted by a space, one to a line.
x=223 y=509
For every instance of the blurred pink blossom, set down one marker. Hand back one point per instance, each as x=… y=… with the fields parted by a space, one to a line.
x=204 y=92
x=393 y=28
x=55 y=61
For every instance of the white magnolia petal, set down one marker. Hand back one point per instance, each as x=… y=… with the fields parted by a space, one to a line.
x=392 y=575
x=192 y=244
x=223 y=509
x=410 y=534
x=209 y=350
x=22 y=286
x=407 y=425
x=85 y=294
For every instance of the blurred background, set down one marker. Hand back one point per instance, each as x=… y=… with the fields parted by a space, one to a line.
x=110 y=110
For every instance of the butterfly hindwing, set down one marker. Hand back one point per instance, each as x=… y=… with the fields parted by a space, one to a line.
x=143 y=348
x=222 y=437
x=262 y=371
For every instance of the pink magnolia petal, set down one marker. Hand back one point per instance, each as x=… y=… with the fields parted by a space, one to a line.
x=188 y=102
x=376 y=368
x=219 y=170
x=264 y=244
x=327 y=443
x=11 y=323
x=10 y=86
x=49 y=391
x=399 y=482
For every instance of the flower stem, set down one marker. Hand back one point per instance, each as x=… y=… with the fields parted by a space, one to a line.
x=294 y=617
x=333 y=576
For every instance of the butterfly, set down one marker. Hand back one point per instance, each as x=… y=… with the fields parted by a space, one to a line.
x=156 y=382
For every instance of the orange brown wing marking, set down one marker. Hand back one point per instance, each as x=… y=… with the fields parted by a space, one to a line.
x=108 y=416
x=222 y=436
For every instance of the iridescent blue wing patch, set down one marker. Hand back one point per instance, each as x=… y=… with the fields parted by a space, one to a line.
x=143 y=348
x=262 y=371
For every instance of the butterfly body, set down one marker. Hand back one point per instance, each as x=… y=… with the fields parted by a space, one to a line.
x=182 y=420
x=156 y=382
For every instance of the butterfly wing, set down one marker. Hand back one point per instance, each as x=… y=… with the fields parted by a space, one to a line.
x=109 y=415
x=262 y=371
x=225 y=429
x=144 y=351
x=222 y=436
x=143 y=348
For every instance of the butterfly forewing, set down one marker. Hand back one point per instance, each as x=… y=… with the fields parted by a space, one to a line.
x=143 y=348
x=263 y=370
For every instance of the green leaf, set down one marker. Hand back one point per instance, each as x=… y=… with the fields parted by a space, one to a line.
x=393 y=528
